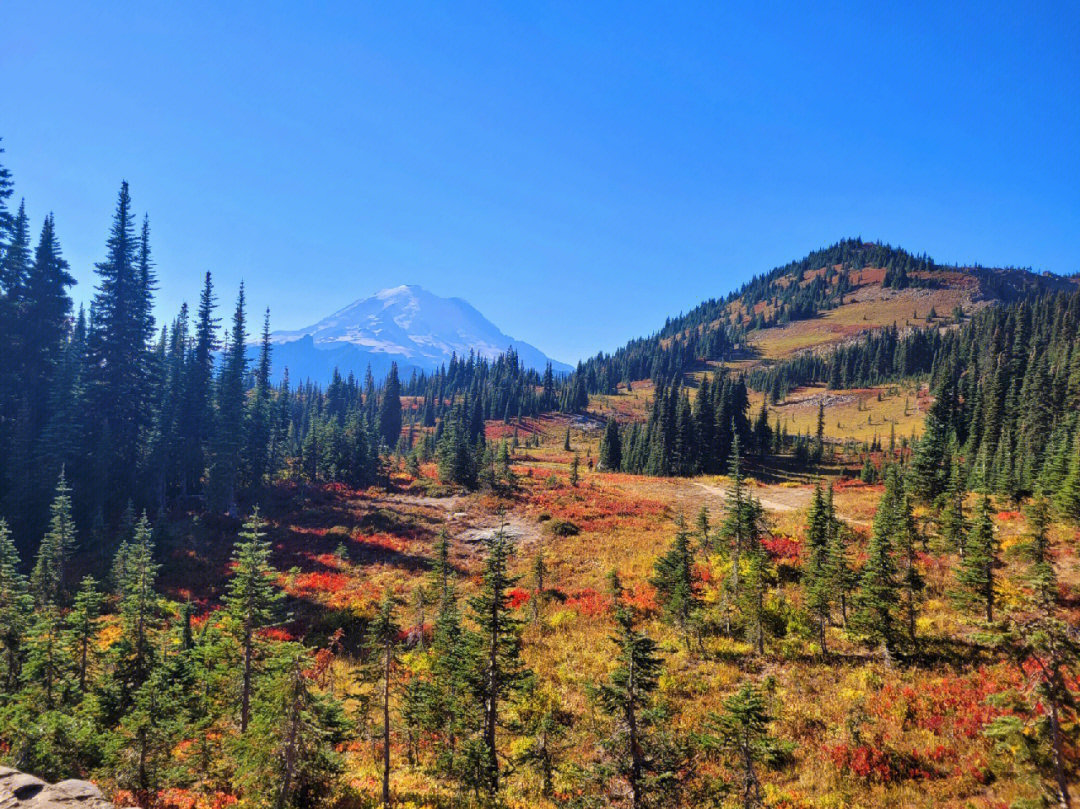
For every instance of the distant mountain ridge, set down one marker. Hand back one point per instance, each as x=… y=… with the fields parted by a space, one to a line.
x=405 y=324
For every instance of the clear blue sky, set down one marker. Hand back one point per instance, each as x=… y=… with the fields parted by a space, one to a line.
x=578 y=171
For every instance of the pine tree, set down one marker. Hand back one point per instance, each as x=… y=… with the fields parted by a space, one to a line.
x=976 y=574
x=673 y=579
x=953 y=521
x=119 y=353
x=817 y=584
x=140 y=751
x=819 y=436
x=575 y=467
x=742 y=523
x=838 y=571
x=1068 y=496
x=138 y=602
x=252 y=600
x=229 y=430
x=1041 y=576
x=741 y=734
x=704 y=529
x=48 y=666
x=196 y=418
x=260 y=415
x=45 y=311
x=498 y=654
x=910 y=580
x=47 y=578
x=82 y=623
x=287 y=760
x=877 y=599
x=611 y=447
x=390 y=408
x=16 y=608
x=627 y=696
x=382 y=641
x=539 y=572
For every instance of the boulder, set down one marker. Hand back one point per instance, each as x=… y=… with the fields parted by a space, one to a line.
x=21 y=791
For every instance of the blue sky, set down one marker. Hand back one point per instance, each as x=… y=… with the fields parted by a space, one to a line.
x=578 y=171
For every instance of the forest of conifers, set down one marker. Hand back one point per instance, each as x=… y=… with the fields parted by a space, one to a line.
x=113 y=423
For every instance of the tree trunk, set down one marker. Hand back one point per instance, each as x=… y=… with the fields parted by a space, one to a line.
x=245 y=696
x=635 y=747
x=1064 y=800
x=386 y=726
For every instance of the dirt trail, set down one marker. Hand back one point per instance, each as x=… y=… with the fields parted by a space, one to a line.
x=466 y=527
x=779 y=499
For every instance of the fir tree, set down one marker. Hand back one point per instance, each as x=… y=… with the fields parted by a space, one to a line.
x=390 y=408
x=383 y=639
x=252 y=600
x=611 y=447
x=138 y=603
x=229 y=429
x=498 y=654
x=953 y=521
x=627 y=696
x=976 y=574
x=877 y=599
x=82 y=622
x=47 y=578
x=673 y=578
x=741 y=734
x=16 y=607
x=817 y=583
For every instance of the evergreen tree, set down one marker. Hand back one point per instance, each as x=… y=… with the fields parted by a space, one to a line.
x=287 y=759
x=674 y=581
x=120 y=357
x=818 y=588
x=611 y=447
x=741 y=733
x=138 y=605
x=877 y=599
x=953 y=522
x=976 y=574
x=390 y=408
x=229 y=430
x=1068 y=496
x=382 y=639
x=16 y=608
x=45 y=311
x=252 y=600
x=82 y=623
x=196 y=417
x=47 y=578
x=838 y=571
x=627 y=696
x=499 y=669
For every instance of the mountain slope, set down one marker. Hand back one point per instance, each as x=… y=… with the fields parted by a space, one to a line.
x=407 y=325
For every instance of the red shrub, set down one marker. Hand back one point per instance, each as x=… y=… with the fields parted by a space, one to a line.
x=517 y=597
x=589 y=602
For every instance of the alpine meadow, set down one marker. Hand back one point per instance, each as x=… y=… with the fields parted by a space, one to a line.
x=812 y=542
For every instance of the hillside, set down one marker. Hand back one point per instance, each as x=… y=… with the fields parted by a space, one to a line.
x=849 y=577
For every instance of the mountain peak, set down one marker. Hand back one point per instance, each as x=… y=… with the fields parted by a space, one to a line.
x=405 y=324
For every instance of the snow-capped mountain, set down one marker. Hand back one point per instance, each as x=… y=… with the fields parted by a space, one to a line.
x=407 y=325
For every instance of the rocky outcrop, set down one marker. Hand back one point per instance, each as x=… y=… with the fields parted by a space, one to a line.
x=21 y=791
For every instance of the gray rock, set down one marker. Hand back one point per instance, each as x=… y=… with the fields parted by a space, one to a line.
x=21 y=791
